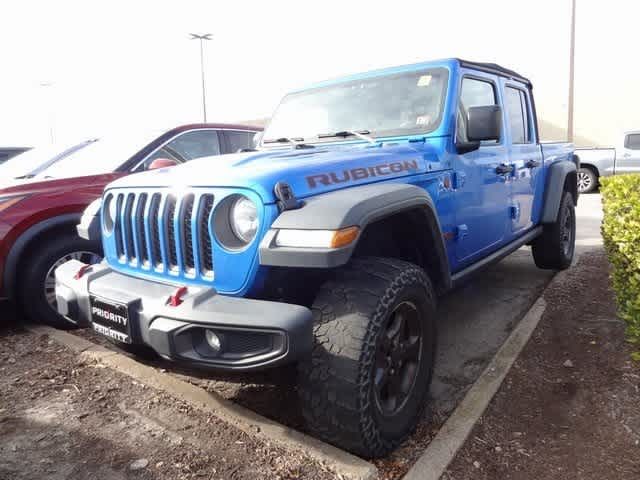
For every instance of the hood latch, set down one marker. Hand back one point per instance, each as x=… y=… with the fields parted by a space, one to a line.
x=286 y=198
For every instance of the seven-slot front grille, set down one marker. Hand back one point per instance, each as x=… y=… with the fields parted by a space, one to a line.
x=164 y=232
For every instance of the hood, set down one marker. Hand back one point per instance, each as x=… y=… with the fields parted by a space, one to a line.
x=39 y=185
x=308 y=171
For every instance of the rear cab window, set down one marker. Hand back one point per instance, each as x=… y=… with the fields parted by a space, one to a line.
x=632 y=141
x=517 y=112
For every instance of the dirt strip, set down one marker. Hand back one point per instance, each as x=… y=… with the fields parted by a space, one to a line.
x=63 y=417
x=570 y=407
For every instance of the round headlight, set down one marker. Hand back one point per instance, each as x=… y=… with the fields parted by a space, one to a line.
x=243 y=217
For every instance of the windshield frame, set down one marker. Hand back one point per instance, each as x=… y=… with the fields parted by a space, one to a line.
x=376 y=134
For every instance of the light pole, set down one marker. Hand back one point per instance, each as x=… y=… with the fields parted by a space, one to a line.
x=572 y=51
x=202 y=37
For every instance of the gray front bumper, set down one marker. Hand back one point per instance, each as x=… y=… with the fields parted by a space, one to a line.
x=256 y=334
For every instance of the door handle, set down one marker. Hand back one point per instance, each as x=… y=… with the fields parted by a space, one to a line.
x=503 y=169
x=532 y=164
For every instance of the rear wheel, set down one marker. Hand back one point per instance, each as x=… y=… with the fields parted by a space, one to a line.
x=37 y=282
x=365 y=385
x=554 y=249
x=587 y=180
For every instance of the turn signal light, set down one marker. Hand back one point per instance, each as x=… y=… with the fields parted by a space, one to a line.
x=344 y=236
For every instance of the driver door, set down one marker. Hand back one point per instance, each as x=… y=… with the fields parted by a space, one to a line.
x=482 y=201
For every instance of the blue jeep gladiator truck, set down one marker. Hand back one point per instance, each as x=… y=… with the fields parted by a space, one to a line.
x=368 y=197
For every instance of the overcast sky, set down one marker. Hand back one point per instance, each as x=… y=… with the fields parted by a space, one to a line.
x=130 y=65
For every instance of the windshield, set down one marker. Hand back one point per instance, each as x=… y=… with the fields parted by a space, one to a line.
x=401 y=104
x=102 y=156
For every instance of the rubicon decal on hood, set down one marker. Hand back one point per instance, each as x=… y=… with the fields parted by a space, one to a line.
x=361 y=173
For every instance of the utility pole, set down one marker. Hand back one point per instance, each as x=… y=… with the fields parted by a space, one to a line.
x=202 y=37
x=572 y=52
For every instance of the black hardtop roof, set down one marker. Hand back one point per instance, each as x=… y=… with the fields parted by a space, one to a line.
x=495 y=69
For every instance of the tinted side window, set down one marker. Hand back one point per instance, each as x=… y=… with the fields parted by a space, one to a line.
x=525 y=115
x=195 y=144
x=632 y=142
x=516 y=113
x=474 y=93
x=237 y=140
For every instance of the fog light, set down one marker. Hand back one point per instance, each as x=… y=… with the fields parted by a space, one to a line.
x=213 y=340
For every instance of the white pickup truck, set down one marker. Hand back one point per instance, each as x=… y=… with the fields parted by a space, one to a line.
x=604 y=162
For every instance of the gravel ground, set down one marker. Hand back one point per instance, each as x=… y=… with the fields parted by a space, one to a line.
x=62 y=418
x=569 y=408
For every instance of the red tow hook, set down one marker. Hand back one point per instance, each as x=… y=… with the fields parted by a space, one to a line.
x=81 y=271
x=176 y=298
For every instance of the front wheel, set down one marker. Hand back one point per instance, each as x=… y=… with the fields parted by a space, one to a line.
x=36 y=285
x=365 y=385
x=554 y=249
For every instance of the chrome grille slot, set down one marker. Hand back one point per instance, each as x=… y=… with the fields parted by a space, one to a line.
x=204 y=238
x=140 y=234
x=170 y=239
x=154 y=229
x=185 y=231
x=129 y=248
x=117 y=230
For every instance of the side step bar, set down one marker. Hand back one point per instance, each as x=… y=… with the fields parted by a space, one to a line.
x=464 y=274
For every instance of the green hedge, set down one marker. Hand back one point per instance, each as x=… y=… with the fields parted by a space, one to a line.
x=621 y=233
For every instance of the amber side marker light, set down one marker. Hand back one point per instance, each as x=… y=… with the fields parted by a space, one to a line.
x=343 y=237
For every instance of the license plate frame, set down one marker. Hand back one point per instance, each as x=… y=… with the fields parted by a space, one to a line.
x=111 y=318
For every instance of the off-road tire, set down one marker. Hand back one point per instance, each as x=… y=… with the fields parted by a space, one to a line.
x=552 y=250
x=587 y=180
x=33 y=271
x=336 y=384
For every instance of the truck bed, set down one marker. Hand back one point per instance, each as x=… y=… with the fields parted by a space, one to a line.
x=554 y=151
x=602 y=158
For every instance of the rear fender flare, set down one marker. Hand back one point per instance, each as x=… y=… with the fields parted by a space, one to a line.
x=554 y=188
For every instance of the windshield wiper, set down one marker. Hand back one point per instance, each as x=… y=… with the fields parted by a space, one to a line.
x=298 y=142
x=24 y=177
x=362 y=134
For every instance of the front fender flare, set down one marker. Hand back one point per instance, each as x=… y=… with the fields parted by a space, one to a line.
x=358 y=206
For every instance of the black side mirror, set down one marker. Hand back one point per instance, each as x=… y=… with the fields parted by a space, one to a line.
x=484 y=123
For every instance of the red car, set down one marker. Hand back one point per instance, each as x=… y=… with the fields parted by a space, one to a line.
x=38 y=218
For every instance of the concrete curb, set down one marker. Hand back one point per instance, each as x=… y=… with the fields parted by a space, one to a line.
x=341 y=462
x=453 y=434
